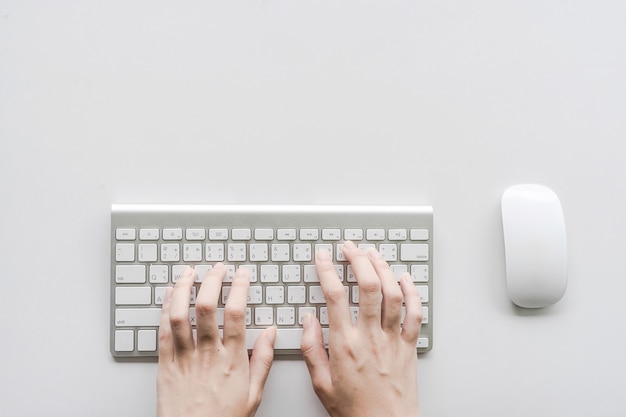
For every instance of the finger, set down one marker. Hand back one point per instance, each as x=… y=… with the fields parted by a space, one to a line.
x=413 y=318
x=370 y=295
x=315 y=355
x=206 y=308
x=235 y=310
x=334 y=292
x=166 y=343
x=392 y=294
x=260 y=364
x=179 y=312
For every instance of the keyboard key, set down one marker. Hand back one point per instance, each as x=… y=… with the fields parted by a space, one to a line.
x=331 y=234
x=133 y=295
x=125 y=234
x=350 y=277
x=241 y=234
x=296 y=294
x=269 y=273
x=170 y=252
x=310 y=274
x=285 y=338
x=274 y=294
x=303 y=311
x=280 y=252
x=397 y=234
x=288 y=338
x=353 y=234
x=124 y=340
x=316 y=296
x=159 y=274
x=354 y=312
x=399 y=270
x=230 y=273
x=263 y=234
x=195 y=234
x=355 y=294
x=291 y=273
x=389 y=251
x=147 y=340
x=302 y=252
x=327 y=247
x=286 y=234
x=285 y=316
x=159 y=295
x=236 y=252
x=419 y=273
x=413 y=252
x=423 y=290
x=130 y=274
x=201 y=271
x=192 y=252
x=177 y=271
x=263 y=316
x=147 y=252
x=125 y=252
x=253 y=269
x=218 y=234
x=375 y=234
x=172 y=234
x=259 y=252
x=135 y=317
x=339 y=252
x=255 y=294
x=309 y=234
x=422 y=343
x=149 y=234
x=419 y=234
x=214 y=252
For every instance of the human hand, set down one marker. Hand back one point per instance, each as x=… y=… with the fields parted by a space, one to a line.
x=213 y=376
x=371 y=365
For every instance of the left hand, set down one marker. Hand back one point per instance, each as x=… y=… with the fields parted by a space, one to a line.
x=213 y=376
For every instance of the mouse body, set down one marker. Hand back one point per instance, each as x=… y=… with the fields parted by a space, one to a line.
x=535 y=245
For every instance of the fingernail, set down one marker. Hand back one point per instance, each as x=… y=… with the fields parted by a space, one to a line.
x=306 y=320
x=373 y=253
x=349 y=244
x=322 y=255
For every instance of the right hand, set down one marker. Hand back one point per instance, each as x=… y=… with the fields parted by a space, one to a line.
x=370 y=369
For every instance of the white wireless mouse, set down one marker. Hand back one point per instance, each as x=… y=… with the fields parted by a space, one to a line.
x=535 y=245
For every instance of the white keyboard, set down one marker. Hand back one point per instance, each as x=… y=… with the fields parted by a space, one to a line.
x=152 y=244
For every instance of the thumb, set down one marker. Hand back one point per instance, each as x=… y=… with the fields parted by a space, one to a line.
x=315 y=355
x=260 y=364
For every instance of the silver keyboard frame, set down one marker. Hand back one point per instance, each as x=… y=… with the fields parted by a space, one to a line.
x=159 y=216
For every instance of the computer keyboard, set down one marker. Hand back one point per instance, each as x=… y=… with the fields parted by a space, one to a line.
x=152 y=244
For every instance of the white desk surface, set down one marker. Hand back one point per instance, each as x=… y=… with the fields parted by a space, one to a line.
x=444 y=103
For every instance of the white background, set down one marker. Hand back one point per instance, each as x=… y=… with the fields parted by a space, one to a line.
x=445 y=103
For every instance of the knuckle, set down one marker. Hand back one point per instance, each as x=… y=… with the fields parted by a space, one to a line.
x=419 y=318
x=369 y=286
x=234 y=313
x=415 y=316
x=335 y=294
x=205 y=309
x=394 y=297
x=177 y=320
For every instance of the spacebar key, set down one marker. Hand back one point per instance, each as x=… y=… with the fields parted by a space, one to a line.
x=125 y=317
x=285 y=338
